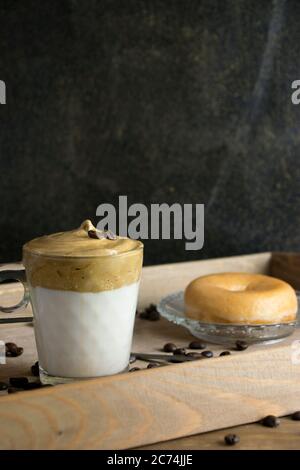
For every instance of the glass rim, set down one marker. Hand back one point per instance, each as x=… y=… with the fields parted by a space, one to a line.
x=138 y=248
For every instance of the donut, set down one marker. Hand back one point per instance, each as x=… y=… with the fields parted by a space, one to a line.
x=240 y=298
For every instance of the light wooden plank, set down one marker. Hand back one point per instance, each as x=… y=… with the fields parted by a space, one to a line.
x=153 y=405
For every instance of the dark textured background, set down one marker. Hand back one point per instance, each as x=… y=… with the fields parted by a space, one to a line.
x=165 y=101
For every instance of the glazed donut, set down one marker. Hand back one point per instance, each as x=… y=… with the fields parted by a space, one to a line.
x=240 y=298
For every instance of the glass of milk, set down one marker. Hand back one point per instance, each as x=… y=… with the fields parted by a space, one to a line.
x=83 y=287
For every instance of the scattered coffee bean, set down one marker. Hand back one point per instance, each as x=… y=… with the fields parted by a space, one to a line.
x=169 y=347
x=32 y=385
x=153 y=316
x=270 y=421
x=179 y=351
x=35 y=369
x=195 y=355
x=134 y=369
x=12 y=350
x=197 y=345
x=225 y=353
x=18 y=352
x=207 y=354
x=151 y=307
x=152 y=365
x=18 y=382
x=231 y=439
x=150 y=313
x=296 y=416
x=3 y=386
x=241 y=345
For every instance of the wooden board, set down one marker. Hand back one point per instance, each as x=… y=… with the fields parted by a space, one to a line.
x=134 y=409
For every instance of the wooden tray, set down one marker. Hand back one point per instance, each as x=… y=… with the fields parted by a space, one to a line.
x=152 y=405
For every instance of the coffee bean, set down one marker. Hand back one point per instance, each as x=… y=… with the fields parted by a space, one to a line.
x=143 y=315
x=197 y=345
x=134 y=369
x=225 y=353
x=231 y=439
x=270 y=421
x=151 y=307
x=241 y=345
x=35 y=369
x=93 y=234
x=296 y=416
x=12 y=350
x=179 y=351
x=3 y=386
x=32 y=385
x=195 y=355
x=153 y=316
x=169 y=347
x=19 y=382
x=150 y=313
x=152 y=365
x=207 y=354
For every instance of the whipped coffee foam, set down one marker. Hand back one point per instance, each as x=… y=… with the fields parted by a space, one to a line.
x=77 y=243
x=73 y=261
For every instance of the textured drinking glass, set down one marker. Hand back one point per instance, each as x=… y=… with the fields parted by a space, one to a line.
x=81 y=333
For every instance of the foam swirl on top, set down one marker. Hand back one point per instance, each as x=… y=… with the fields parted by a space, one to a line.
x=78 y=260
x=78 y=243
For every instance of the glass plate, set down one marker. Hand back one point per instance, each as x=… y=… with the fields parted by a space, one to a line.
x=171 y=307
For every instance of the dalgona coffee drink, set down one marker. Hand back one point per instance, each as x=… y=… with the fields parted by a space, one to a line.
x=83 y=288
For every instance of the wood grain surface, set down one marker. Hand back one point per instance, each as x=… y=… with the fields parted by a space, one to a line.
x=149 y=406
